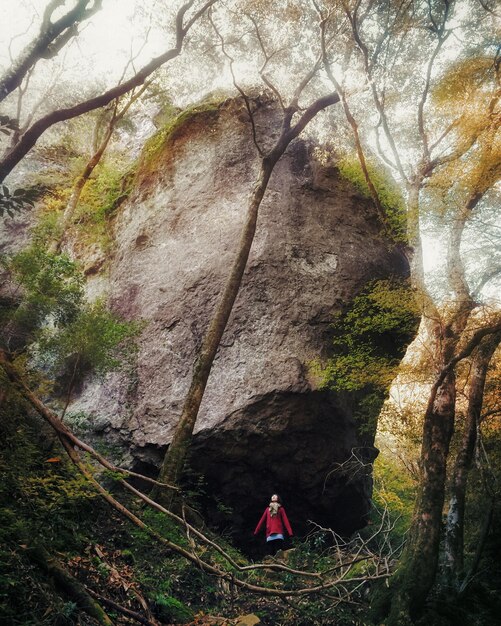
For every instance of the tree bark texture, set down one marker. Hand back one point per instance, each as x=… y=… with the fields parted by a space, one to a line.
x=420 y=559
x=454 y=530
x=51 y=38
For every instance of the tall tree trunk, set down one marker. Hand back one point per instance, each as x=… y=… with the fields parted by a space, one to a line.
x=178 y=448
x=418 y=568
x=418 y=565
x=78 y=187
x=454 y=530
x=175 y=457
x=484 y=534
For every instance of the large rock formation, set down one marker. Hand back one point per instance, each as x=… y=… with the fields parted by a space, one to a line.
x=263 y=425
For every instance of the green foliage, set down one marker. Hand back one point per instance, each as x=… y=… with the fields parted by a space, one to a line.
x=44 y=287
x=168 y=609
x=394 y=491
x=47 y=321
x=387 y=189
x=56 y=490
x=96 y=339
x=43 y=501
x=369 y=340
x=10 y=203
x=48 y=227
x=164 y=526
x=39 y=483
x=103 y=193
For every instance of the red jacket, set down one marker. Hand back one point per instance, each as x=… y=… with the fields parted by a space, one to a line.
x=274 y=524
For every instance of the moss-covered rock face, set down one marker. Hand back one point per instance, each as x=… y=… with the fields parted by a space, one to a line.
x=368 y=343
x=156 y=149
x=388 y=191
x=264 y=424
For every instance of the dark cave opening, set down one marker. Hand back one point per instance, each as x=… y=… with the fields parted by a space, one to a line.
x=303 y=446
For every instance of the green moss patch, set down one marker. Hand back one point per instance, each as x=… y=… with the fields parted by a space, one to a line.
x=369 y=341
x=158 y=146
x=387 y=189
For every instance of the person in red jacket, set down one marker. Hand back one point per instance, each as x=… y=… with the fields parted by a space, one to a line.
x=276 y=522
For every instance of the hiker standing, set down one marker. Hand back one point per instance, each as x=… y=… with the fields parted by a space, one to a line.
x=276 y=523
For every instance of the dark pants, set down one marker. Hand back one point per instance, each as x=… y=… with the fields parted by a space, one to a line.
x=273 y=546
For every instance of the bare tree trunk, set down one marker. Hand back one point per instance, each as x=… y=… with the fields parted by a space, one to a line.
x=175 y=457
x=454 y=530
x=418 y=566
x=78 y=187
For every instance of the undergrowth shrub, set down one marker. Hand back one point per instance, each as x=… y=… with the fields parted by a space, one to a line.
x=369 y=340
x=43 y=502
x=168 y=609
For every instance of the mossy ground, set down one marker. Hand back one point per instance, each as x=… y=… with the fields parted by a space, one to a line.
x=44 y=502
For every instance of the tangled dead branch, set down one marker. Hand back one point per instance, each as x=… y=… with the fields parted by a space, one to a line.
x=339 y=578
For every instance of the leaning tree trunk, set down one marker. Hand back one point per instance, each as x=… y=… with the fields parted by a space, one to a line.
x=69 y=585
x=78 y=187
x=174 y=460
x=178 y=448
x=91 y=165
x=454 y=530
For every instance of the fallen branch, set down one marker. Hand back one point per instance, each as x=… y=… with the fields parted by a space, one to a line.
x=72 y=588
x=122 y=609
x=71 y=445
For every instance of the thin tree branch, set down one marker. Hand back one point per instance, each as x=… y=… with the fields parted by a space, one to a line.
x=236 y=85
x=31 y=136
x=121 y=609
x=52 y=37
